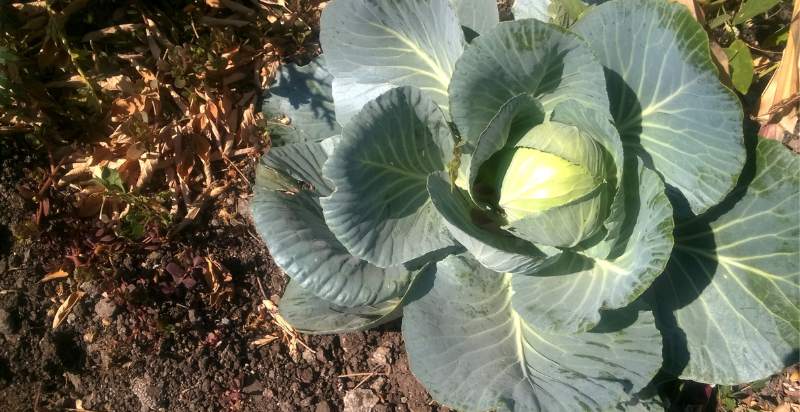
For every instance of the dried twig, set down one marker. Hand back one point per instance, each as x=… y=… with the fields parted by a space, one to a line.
x=213 y=21
x=290 y=334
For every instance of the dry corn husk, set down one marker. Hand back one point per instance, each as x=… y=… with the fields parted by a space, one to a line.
x=779 y=102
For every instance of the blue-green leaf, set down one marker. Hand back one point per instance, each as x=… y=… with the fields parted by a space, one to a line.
x=474 y=352
x=398 y=42
x=730 y=298
x=568 y=295
x=303 y=162
x=294 y=230
x=310 y=314
x=667 y=102
x=480 y=16
x=526 y=56
x=532 y=9
x=350 y=96
x=303 y=95
x=561 y=11
x=381 y=210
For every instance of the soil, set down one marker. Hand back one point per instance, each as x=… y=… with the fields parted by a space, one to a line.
x=130 y=346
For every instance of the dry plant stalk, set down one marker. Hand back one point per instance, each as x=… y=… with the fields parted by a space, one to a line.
x=59 y=274
x=779 y=102
x=66 y=307
x=290 y=334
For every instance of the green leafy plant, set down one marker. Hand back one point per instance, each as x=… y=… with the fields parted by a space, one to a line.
x=558 y=214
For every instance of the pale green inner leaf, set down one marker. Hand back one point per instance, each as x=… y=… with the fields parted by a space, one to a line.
x=536 y=181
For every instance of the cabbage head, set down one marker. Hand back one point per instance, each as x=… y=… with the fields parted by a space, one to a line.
x=559 y=211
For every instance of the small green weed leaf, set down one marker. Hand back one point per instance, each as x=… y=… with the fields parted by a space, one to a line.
x=752 y=8
x=111 y=179
x=741 y=63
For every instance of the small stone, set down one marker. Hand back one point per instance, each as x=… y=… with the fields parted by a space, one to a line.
x=255 y=387
x=322 y=407
x=75 y=380
x=360 y=400
x=306 y=375
x=89 y=287
x=105 y=308
x=309 y=357
x=380 y=357
x=377 y=385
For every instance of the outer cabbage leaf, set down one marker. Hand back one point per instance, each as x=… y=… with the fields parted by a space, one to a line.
x=381 y=210
x=551 y=10
x=303 y=162
x=568 y=295
x=480 y=16
x=350 y=96
x=667 y=102
x=290 y=221
x=492 y=247
x=730 y=298
x=302 y=245
x=526 y=56
x=398 y=42
x=532 y=9
x=303 y=95
x=310 y=314
x=473 y=351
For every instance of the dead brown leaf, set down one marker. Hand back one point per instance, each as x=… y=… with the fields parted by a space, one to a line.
x=780 y=100
x=66 y=307
x=59 y=274
x=266 y=340
x=787 y=407
x=220 y=281
x=290 y=334
x=694 y=8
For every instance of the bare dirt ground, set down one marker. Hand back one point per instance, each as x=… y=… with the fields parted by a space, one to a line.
x=137 y=340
